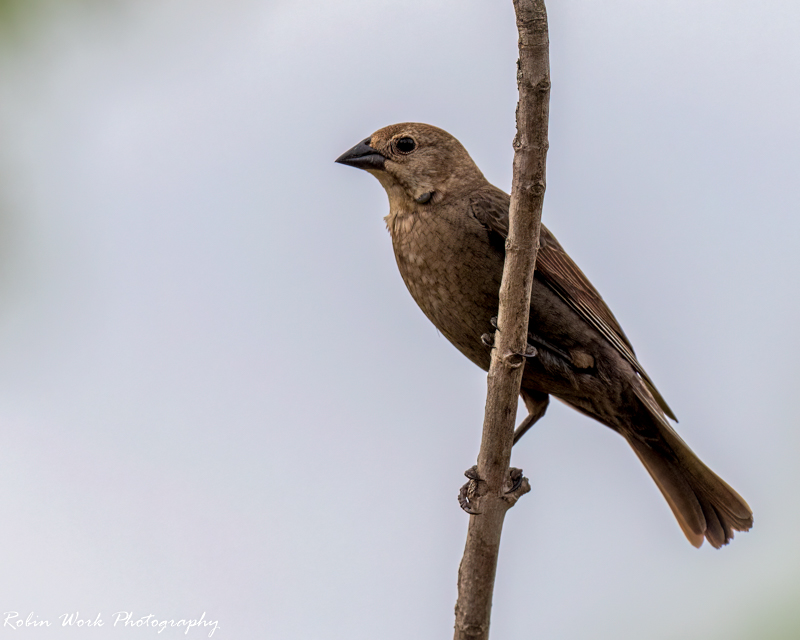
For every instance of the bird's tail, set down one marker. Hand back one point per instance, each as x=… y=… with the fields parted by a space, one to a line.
x=704 y=504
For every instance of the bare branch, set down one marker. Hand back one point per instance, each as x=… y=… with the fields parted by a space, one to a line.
x=478 y=566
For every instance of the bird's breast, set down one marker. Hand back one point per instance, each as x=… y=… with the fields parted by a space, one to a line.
x=453 y=274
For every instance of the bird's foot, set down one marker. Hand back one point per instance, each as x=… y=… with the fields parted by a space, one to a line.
x=469 y=491
x=517 y=484
x=530 y=351
x=515 y=487
x=488 y=338
x=515 y=479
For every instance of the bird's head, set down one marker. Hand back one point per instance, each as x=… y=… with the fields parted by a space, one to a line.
x=417 y=164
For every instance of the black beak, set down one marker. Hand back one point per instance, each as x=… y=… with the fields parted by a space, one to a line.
x=362 y=156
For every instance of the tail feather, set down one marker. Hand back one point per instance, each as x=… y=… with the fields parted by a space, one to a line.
x=705 y=506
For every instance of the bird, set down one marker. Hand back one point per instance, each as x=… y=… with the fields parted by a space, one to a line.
x=448 y=227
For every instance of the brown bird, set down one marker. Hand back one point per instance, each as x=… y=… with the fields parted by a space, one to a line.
x=448 y=227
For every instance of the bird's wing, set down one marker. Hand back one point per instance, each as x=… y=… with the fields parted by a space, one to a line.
x=562 y=275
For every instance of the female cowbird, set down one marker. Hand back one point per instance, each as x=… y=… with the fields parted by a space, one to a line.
x=448 y=228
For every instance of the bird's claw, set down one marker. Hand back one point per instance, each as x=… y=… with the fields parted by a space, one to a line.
x=469 y=491
x=530 y=351
x=519 y=486
x=516 y=478
x=488 y=340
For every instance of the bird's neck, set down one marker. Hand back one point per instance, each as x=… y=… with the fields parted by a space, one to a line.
x=401 y=220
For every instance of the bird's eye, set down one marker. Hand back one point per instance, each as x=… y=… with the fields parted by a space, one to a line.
x=405 y=145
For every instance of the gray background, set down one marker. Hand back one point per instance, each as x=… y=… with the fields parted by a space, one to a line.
x=216 y=394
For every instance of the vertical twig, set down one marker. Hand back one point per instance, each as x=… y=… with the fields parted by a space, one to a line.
x=478 y=566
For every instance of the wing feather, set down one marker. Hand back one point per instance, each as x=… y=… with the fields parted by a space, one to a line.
x=562 y=275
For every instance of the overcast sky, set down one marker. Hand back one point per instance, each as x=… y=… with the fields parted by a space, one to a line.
x=216 y=394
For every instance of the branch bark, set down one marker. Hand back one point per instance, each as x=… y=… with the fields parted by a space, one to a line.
x=478 y=566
